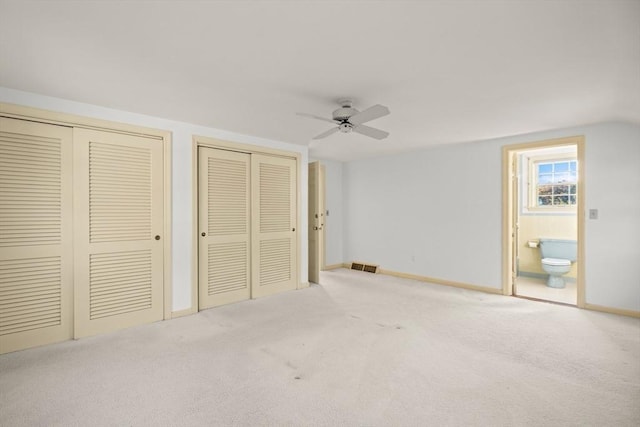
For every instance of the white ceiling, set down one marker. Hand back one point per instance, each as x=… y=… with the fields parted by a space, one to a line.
x=449 y=71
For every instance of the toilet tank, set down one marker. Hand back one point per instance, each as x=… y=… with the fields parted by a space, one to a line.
x=558 y=248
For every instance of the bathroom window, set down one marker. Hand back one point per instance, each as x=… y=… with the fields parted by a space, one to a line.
x=554 y=183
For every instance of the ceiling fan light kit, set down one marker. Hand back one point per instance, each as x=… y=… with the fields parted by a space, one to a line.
x=345 y=127
x=348 y=119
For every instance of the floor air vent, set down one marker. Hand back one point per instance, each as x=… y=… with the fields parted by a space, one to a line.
x=370 y=268
x=364 y=267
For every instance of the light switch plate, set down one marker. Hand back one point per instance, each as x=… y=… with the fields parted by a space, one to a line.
x=593 y=213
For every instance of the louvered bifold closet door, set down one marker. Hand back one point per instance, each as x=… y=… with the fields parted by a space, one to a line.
x=274 y=225
x=36 y=258
x=118 y=206
x=224 y=212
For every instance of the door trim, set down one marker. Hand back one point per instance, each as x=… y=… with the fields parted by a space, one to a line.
x=72 y=120
x=203 y=141
x=507 y=210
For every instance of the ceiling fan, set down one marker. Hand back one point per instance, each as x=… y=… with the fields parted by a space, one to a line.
x=348 y=119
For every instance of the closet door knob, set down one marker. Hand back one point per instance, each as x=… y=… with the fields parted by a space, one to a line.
x=203 y=234
x=157 y=237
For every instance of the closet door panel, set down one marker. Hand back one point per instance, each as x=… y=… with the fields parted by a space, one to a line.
x=274 y=224
x=36 y=258
x=224 y=240
x=119 y=215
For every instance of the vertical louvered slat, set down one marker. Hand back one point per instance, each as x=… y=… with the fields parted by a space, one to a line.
x=35 y=234
x=119 y=193
x=120 y=283
x=228 y=268
x=275 y=261
x=30 y=192
x=227 y=196
x=224 y=219
x=274 y=219
x=275 y=198
x=119 y=211
x=30 y=294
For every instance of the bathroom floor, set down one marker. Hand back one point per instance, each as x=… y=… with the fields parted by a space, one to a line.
x=531 y=287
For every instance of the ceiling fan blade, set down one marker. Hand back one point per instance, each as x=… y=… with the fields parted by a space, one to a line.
x=372 y=132
x=370 y=113
x=311 y=116
x=327 y=133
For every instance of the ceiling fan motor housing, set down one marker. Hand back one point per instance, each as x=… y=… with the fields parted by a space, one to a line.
x=342 y=114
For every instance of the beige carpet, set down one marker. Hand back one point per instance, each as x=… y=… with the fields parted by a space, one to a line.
x=360 y=350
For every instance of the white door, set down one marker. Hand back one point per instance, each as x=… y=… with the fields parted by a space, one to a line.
x=224 y=227
x=119 y=219
x=274 y=236
x=313 y=222
x=316 y=221
x=36 y=258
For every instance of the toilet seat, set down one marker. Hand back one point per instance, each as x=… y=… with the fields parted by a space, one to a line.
x=556 y=262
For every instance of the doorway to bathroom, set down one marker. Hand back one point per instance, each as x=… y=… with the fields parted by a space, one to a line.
x=543 y=220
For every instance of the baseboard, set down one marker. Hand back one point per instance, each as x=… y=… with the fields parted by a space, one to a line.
x=543 y=276
x=335 y=266
x=612 y=310
x=181 y=313
x=189 y=311
x=443 y=282
x=594 y=307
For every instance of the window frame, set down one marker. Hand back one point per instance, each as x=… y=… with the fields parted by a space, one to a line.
x=532 y=198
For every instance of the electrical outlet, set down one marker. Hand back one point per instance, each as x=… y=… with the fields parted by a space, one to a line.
x=593 y=213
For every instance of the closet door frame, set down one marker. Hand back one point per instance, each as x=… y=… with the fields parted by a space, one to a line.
x=72 y=120
x=202 y=141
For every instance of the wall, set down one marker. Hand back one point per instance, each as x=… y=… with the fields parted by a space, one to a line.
x=437 y=212
x=182 y=215
x=420 y=213
x=613 y=187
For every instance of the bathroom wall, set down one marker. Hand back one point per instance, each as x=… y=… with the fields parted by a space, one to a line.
x=534 y=224
x=532 y=227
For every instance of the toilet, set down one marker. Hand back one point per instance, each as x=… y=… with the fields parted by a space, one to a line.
x=557 y=257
